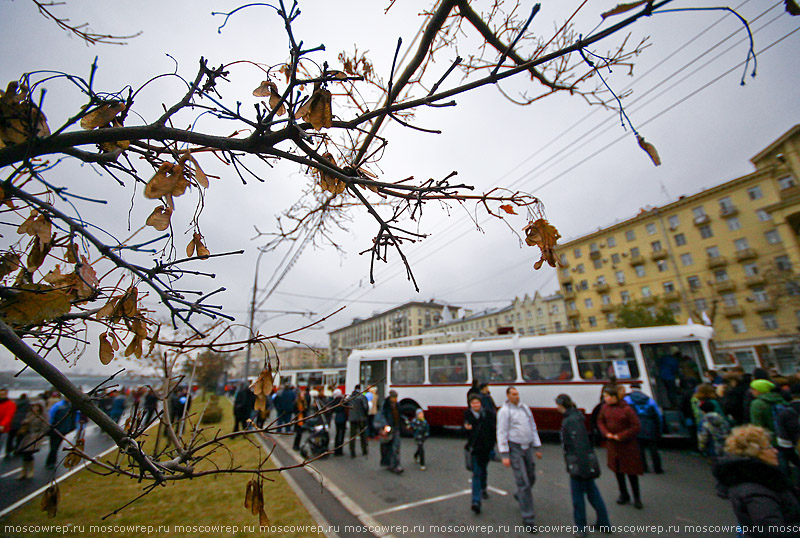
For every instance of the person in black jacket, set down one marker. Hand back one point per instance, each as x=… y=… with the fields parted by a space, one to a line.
x=762 y=497
x=243 y=404
x=358 y=407
x=787 y=433
x=481 y=438
x=582 y=465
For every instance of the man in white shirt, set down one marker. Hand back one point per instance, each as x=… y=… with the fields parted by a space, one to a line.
x=517 y=436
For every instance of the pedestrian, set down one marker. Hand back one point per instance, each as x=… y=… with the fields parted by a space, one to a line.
x=760 y=494
x=372 y=412
x=583 y=467
x=787 y=433
x=23 y=406
x=32 y=431
x=475 y=388
x=481 y=438
x=765 y=405
x=284 y=406
x=392 y=424
x=302 y=405
x=358 y=407
x=619 y=426
x=650 y=425
x=8 y=409
x=150 y=406
x=62 y=421
x=733 y=395
x=339 y=421
x=517 y=436
x=243 y=404
x=117 y=406
x=668 y=370
x=712 y=432
x=421 y=430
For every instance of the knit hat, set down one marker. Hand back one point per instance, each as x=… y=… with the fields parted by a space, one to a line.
x=337 y=393
x=762 y=385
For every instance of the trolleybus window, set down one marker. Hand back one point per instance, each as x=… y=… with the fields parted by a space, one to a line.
x=494 y=366
x=408 y=370
x=545 y=364
x=602 y=361
x=450 y=368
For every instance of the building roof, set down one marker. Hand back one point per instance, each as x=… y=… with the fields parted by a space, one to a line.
x=429 y=304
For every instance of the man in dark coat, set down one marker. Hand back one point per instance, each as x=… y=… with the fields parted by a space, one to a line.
x=787 y=433
x=394 y=421
x=150 y=405
x=358 y=407
x=619 y=425
x=62 y=421
x=284 y=406
x=243 y=405
x=650 y=421
x=481 y=438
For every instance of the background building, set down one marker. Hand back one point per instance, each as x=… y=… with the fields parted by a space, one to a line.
x=291 y=358
x=403 y=321
x=728 y=254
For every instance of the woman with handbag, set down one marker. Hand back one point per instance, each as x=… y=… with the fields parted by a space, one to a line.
x=481 y=438
x=582 y=465
x=31 y=433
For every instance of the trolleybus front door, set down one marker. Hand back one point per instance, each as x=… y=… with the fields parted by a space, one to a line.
x=374 y=373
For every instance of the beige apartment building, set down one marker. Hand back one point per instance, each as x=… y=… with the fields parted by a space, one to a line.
x=393 y=327
x=728 y=255
x=294 y=357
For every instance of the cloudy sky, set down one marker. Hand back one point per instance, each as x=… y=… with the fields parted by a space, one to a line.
x=685 y=98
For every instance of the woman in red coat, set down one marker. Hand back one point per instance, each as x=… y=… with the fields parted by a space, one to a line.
x=619 y=425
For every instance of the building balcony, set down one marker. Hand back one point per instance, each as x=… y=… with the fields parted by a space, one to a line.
x=566 y=279
x=702 y=219
x=658 y=255
x=606 y=308
x=637 y=260
x=594 y=254
x=733 y=311
x=746 y=254
x=673 y=295
x=765 y=306
x=728 y=211
x=568 y=295
x=717 y=261
x=601 y=287
x=648 y=300
x=754 y=280
x=573 y=313
x=791 y=192
x=724 y=285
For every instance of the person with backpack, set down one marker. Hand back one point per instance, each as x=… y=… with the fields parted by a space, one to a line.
x=766 y=405
x=62 y=421
x=787 y=432
x=650 y=421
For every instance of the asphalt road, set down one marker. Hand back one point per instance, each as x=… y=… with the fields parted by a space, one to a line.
x=436 y=502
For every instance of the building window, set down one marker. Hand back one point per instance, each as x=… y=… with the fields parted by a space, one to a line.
x=729 y=299
x=750 y=269
x=635 y=252
x=601 y=279
x=576 y=253
x=760 y=295
x=611 y=241
x=699 y=213
x=700 y=305
x=554 y=310
x=571 y=306
x=557 y=326
x=741 y=244
x=726 y=205
x=738 y=326
x=733 y=224
x=625 y=296
x=769 y=321
x=686 y=259
x=754 y=193
x=662 y=265
x=712 y=252
x=581 y=269
x=583 y=285
x=592 y=321
x=721 y=275
x=630 y=235
x=539 y=312
x=669 y=287
x=656 y=245
x=773 y=237
x=646 y=291
x=563 y=259
x=598 y=263
x=593 y=247
x=674 y=221
x=528 y=315
x=675 y=308
x=620 y=277
x=763 y=215
x=615 y=259
x=588 y=302
x=565 y=273
x=651 y=228
x=542 y=329
x=786 y=182
x=694 y=282
x=606 y=298
x=610 y=317
x=705 y=231
x=793 y=288
x=639 y=270
x=680 y=240
x=783 y=263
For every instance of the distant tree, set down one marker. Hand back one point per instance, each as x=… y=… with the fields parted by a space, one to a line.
x=209 y=369
x=636 y=314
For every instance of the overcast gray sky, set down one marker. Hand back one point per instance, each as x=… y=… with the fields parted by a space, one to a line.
x=589 y=172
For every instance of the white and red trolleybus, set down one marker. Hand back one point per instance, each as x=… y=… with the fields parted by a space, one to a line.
x=436 y=377
x=325 y=380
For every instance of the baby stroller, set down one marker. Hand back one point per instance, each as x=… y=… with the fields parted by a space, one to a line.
x=315 y=438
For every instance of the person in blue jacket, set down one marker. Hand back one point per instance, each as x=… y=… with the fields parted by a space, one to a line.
x=650 y=420
x=62 y=421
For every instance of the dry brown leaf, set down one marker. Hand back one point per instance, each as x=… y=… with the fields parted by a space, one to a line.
x=154 y=340
x=169 y=180
x=34 y=304
x=36 y=225
x=544 y=235
x=263 y=89
x=9 y=262
x=622 y=8
x=197 y=246
x=248 y=495
x=50 y=500
x=319 y=113
x=508 y=208
x=102 y=115
x=199 y=175
x=650 y=149
x=263 y=520
x=37 y=254
x=18 y=113
x=128 y=306
x=106 y=350
x=160 y=218
x=114 y=342
x=73 y=458
x=135 y=347
x=88 y=283
x=328 y=182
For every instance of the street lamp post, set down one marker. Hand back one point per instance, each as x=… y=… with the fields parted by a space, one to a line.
x=252 y=317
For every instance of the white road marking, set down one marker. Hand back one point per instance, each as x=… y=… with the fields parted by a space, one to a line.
x=494 y=489
x=421 y=503
x=10 y=473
